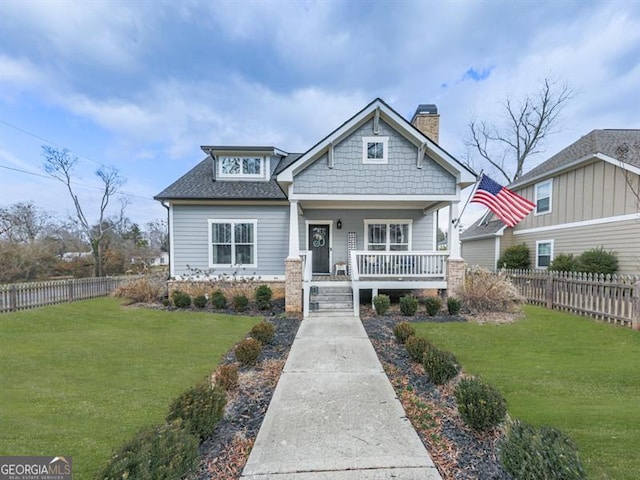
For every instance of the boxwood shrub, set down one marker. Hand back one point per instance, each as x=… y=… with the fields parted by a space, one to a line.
x=408 y=305
x=381 y=303
x=416 y=347
x=263 y=297
x=181 y=299
x=199 y=409
x=441 y=366
x=263 y=332
x=248 y=351
x=402 y=331
x=218 y=300
x=481 y=405
x=432 y=305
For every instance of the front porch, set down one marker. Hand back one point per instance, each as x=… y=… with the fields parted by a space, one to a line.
x=376 y=270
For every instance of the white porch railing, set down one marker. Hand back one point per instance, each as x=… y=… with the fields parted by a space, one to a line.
x=307 y=263
x=383 y=264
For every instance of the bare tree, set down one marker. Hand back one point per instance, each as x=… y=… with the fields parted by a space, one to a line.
x=60 y=165
x=630 y=154
x=528 y=123
x=23 y=222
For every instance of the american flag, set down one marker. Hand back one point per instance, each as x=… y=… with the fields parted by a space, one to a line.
x=510 y=207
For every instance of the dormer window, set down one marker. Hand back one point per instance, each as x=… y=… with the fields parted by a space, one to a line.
x=375 y=149
x=241 y=167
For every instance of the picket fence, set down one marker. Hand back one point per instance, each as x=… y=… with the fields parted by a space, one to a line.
x=611 y=298
x=21 y=296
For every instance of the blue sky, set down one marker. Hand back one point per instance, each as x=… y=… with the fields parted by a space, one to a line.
x=141 y=85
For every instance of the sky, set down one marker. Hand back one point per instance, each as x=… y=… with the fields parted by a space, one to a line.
x=141 y=85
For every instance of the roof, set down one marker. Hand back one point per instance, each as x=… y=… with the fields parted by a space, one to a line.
x=482 y=229
x=198 y=184
x=609 y=142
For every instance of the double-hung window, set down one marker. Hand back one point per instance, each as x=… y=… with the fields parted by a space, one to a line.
x=241 y=167
x=388 y=235
x=232 y=242
x=543 y=197
x=544 y=253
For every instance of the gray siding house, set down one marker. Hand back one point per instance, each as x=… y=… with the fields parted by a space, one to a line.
x=586 y=196
x=358 y=210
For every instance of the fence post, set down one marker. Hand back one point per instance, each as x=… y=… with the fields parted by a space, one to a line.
x=13 y=298
x=548 y=294
x=635 y=307
x=70 y=290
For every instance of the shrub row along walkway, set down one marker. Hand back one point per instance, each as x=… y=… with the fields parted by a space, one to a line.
x=334 y=414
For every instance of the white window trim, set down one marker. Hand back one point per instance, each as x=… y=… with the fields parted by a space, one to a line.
x=538 y=243
x=264 y=167
x=233 y=222
x=385 y=150
x=537 y=185
x=388 y=221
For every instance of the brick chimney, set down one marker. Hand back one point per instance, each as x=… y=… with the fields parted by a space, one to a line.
x=427 y=120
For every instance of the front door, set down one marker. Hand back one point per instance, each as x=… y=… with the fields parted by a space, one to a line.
x=319 y=246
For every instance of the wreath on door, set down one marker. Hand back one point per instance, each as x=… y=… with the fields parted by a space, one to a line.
x=319 y=234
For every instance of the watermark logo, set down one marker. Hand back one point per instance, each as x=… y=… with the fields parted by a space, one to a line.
x=35 y=468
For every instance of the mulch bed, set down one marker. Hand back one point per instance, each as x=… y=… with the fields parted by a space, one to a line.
x=457 y=452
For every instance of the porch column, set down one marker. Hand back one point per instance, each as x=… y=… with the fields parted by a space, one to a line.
x=456 y=266
x=454 y=232
x=294 y=232
x=293 y=265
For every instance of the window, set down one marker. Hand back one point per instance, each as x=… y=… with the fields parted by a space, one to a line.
x=544 y=253
x=232 y=242
x=388 y=235
x=375 y=149
x=241 y=167
x=543 y=197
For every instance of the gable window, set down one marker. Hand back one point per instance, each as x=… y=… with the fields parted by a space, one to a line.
x=232 y=242
x=241 y=167
x=543 y=197
x=388 y=235
x=544 y=253
x=375 y=149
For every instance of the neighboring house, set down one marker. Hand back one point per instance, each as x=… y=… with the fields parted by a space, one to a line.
x=71 y=256
x=358 y=210
x=586 y=197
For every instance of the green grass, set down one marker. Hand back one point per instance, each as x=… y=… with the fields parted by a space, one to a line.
x=562 y=370
x=80 y=379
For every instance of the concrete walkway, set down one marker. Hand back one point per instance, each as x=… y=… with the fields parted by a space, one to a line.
x=335 y=415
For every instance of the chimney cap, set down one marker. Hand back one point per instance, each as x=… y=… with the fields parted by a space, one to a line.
x=426 y=109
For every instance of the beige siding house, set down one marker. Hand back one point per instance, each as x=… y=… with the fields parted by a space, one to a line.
x=586 y=196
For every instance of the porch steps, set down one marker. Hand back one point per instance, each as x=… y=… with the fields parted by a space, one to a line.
x=332 y=299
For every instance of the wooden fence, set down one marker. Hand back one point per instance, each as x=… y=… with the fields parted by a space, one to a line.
x=612 y=298
x=21 y=296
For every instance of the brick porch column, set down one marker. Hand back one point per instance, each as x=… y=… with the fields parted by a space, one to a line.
x=293 y=285
x=455 y=276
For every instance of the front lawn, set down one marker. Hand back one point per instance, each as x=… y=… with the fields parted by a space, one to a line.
x=80 y=379
x=562 y=370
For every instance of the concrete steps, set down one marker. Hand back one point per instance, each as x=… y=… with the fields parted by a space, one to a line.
x=331 y=299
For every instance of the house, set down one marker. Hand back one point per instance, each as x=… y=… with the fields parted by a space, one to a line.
x=356 y=211
x=586 y=197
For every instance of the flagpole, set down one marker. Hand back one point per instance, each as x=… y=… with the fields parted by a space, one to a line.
x=456 y=221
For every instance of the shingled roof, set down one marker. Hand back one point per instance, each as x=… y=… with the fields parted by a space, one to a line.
x=609 y=142
x=482 y=229
x=198 y=184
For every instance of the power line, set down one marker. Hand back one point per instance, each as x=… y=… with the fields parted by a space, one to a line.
x=74 y=183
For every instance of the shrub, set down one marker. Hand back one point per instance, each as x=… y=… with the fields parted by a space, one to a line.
x=481 y=405
x=515 y=257
x=163 y=452
x=441 y=366
x=433 y=305
x=416 y=347
x=227 y=376
x=402 y=331
x=563 y=263
x=263 y=332
x=240 y=302
x=263 y=297
x=598 y=260
x=200 y=301
x=200 y=409
x=381 y=304
x=488 y=292
x=181 y=299
x=218 y=300
x=530 y=453
x=408 y=305
x=148 y=288
x=453 y=306
x=248 y=351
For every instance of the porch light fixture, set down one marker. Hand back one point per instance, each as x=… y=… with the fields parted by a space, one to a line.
x=339 y=224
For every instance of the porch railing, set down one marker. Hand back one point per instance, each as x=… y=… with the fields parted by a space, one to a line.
x=398 y=264
x=307 y=260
